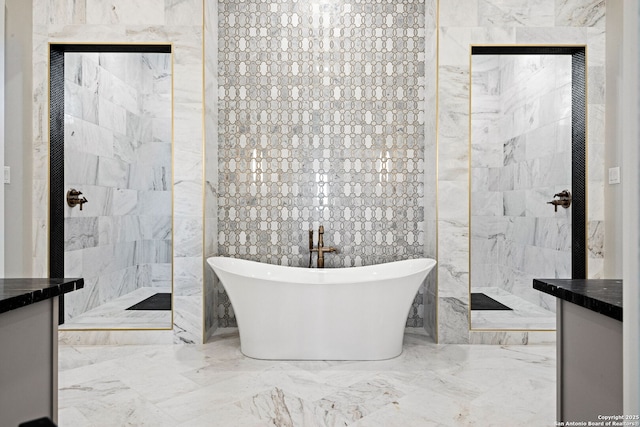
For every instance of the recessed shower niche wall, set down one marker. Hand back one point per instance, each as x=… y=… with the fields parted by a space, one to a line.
x=111 y=151
x=527 y=182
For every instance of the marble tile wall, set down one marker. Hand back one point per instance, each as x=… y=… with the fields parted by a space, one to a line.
x=321 y=121
x=212 y=287
x=118 y=153
x=180 y=23
x=461 y=24
x=520 y=158
x=430 y=162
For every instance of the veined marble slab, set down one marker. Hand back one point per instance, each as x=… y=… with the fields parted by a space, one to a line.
x=214 y=384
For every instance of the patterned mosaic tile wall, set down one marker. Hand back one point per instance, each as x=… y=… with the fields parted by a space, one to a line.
x=321 y=121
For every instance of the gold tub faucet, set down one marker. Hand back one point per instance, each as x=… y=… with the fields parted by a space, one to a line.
x=321 y=250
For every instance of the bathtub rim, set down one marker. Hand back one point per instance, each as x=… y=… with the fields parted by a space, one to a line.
x=328 y=276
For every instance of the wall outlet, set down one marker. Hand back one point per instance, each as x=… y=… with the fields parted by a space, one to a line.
x=7 y=174
x=614 y=175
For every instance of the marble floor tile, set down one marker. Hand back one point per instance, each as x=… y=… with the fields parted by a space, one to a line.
x=215 y=385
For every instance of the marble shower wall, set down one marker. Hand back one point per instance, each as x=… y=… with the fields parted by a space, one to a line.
x=118 y=153
x=517 y=165
x=322 y=121
x=461 y=24
x=179 y=23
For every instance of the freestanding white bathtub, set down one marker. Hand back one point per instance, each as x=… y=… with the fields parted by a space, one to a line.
x=293 y=313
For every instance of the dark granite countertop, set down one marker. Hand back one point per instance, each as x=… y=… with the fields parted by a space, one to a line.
x=603 y=296
x=16 y=293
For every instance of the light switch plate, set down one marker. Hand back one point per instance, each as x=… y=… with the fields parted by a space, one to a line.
x=7 y=174
x=614 y=175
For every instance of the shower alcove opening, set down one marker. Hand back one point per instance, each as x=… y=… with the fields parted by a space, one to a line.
x=111 y=139
x=527 y=144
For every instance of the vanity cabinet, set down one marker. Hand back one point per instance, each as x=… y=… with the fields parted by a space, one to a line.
x=589 y=347
x=29 y=347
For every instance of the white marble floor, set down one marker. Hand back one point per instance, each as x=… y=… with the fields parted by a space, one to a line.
x=114 y=314
x=215 y=385
x=523 y=316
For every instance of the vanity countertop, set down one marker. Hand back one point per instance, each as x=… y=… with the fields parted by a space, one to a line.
x=16 y=293
x=603 y=296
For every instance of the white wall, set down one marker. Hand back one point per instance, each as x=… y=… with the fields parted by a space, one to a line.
x=17 y=134
x=628 y=142
x=613 y=149
x=623 y=201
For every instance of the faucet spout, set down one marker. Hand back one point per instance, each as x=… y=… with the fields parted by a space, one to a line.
x=321 y=250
